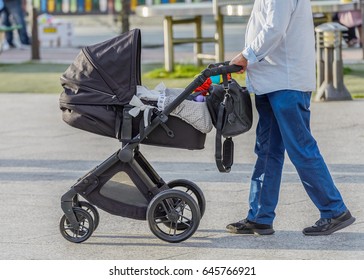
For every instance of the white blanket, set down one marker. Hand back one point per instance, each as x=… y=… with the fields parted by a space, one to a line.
x=194 y=113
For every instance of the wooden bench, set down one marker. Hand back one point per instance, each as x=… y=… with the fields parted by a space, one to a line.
x=192 y=13
x=181 y=13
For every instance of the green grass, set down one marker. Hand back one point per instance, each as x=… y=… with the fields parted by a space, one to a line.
x=354 y=80
x=153 y=74
x=181 y=77
x=44 y=78
x=180 y=71
x=31 y=77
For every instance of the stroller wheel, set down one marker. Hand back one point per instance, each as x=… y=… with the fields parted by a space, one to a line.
x=84 y=229
x=192 y=189
x=92 y=211
x=168 y=210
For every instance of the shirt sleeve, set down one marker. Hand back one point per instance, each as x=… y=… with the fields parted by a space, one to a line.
x=278 y=15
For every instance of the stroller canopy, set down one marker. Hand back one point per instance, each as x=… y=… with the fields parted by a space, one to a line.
x=105 y=73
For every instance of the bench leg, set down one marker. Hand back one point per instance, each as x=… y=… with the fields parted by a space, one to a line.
x=198 y=45
x=168 y=44
x=219 y=36
x=198 y=40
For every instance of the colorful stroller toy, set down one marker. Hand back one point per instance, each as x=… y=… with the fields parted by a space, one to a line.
x=98 y=87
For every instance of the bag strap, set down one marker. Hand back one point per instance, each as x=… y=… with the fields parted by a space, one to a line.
x=126 y=126
x=224 y=154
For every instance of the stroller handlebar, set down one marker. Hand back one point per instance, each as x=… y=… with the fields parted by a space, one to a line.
x=220 y=68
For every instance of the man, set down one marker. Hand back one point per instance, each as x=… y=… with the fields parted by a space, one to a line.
x=279 y=58
x=14 y=9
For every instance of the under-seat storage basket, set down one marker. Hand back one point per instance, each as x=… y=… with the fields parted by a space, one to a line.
x=115 y=191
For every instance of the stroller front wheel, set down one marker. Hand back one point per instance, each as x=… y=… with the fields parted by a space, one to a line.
x=82 y=231
x=168 y=210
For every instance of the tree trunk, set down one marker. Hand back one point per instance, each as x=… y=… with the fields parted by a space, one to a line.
x=35 y=38
x=125 y=12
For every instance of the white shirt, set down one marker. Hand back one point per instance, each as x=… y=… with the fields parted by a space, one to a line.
x=280 y=46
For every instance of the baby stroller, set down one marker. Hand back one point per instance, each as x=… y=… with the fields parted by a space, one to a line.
x=98 y=87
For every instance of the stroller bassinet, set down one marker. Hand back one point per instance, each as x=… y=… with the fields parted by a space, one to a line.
x=98 y=87
x=101 y=82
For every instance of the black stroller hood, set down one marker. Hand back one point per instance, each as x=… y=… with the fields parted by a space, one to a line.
x=105 y=73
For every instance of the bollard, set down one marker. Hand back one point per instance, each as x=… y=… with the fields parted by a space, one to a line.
x=329 y=64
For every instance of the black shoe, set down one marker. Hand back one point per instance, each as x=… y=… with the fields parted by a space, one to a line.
x=248 y=227
x=327 y=226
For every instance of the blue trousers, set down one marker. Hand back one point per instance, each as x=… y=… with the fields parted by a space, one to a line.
x=15 y=9
x=284 y=125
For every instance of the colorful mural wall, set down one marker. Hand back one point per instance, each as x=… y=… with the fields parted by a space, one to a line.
x=92 y=6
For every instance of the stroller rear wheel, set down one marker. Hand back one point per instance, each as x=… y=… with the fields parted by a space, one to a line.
x=169 y=209
x=82 y=231
x=92 y=211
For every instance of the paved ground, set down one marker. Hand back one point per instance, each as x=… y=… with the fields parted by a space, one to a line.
x=41 y=157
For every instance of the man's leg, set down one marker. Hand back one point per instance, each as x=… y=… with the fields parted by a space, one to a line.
x=16 y=10
x=291 y=109
x=6 y=22
x=266 y=178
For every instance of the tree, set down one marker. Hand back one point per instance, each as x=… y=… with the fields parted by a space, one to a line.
x=124 y=15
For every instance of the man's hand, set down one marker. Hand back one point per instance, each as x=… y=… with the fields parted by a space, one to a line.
x=241 y=61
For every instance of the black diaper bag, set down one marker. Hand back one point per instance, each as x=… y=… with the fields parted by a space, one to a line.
x=230 y=108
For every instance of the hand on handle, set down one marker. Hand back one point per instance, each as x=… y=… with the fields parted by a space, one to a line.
x=241 y=61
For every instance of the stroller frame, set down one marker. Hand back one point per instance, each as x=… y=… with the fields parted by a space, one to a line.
x=173 y=214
